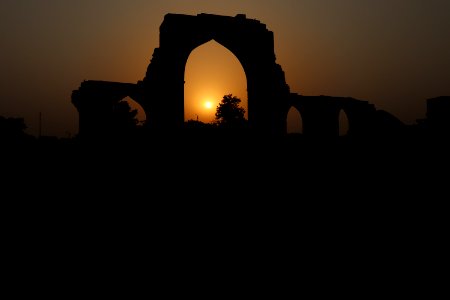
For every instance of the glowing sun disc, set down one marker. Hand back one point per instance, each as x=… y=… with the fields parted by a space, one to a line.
x=208 y=104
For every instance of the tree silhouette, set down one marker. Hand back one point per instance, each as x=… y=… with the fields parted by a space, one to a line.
x=13 y=129
x=124 y=118
x=229 y=114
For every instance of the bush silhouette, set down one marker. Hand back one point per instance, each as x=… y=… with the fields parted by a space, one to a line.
x=124 y=117
x=229 y=114
x=13 y=130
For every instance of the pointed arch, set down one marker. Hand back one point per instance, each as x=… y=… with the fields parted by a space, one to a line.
x=211 y=72
x=344 y=124
x=294 y=121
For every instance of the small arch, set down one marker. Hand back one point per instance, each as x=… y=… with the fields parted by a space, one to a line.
x=294 y=121
x=344 y=124
x=211 y=72
x=141 y=115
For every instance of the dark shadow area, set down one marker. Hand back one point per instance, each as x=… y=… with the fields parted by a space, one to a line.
x=12 y=132
x=373 y=141
x=372 y=145
x=173 y=183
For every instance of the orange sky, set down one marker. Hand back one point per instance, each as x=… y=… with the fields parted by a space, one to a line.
x=211 y=72
x=393 y=53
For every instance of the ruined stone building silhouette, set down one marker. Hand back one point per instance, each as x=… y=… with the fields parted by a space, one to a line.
x=161 y=92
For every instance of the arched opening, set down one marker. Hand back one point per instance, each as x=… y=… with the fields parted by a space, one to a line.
x=343 y=123
x=294 y=121
x=141 y=116
x=211 y=72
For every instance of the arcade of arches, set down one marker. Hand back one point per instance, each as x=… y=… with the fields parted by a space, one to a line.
x=161 y=94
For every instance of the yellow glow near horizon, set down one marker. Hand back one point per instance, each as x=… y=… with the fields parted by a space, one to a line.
x=212 y=71
x=208 y=105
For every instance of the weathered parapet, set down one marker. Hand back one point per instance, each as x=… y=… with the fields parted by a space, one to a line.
x=95 y=102
x=438 y=115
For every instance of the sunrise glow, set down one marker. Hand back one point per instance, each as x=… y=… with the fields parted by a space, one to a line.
x=212 y=71
x=393 y=54
x=208 y=105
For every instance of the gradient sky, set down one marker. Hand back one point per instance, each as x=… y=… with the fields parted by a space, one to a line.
x=393 y=53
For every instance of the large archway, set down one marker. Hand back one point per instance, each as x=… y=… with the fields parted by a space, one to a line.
x=211 y=72
x=249 y=40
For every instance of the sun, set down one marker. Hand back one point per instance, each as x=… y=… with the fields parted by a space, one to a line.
x=208 y=105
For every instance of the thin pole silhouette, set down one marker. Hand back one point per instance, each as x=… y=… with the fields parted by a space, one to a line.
x=40 y=124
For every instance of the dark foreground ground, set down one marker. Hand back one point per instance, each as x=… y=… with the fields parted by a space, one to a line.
x=192 y=214
x=282 y=177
